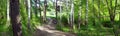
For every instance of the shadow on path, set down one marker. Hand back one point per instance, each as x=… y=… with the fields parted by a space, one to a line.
x=48 y=29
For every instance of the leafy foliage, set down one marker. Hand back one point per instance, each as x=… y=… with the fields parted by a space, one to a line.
x=101 y=17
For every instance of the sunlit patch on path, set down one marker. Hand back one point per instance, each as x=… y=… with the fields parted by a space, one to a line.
x=48 y=30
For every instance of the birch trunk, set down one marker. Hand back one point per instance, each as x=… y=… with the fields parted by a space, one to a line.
x=67 y=8
x=60 y=13
x=79 y=15
x=72 y=15
x=29 y=12
x=8 y=10
x=8 y=17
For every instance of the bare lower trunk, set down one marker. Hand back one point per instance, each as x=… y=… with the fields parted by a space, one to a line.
x=112 y=12
x=40 y=11
x=56 y=11
x=29 y=12
x=8 y=17
x=99 y=16
x=60 y=14
x=15 y=20
x=36 y=7
x=94 y=16
x=86 y=15
x=79 y=15
x=116 y=33
x=67 y=8
x=119 y=16
x=8 y=10
x=72 y=15
x=44 y=16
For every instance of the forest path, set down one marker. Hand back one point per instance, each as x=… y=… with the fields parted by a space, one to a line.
x=49 y=30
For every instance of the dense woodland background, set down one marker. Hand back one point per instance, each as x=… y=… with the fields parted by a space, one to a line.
x=79 y=17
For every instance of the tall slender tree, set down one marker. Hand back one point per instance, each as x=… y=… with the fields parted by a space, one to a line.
x=8 y=10
x=72 y=15
x=8 y=17
x=28 y=5
x=79 y=14
x=40 y=10
x=36 y=7
x=112 y=11
x=60 y=11
x=15 y=17
x=45 y=7
x=86 y=15
x=99 y=11
x=56 y=9
x=67 y=9
x=94 y=15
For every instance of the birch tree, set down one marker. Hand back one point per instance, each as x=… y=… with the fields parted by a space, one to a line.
x=67 y=10
x=8 y=17
x=60 y=12
x=28 y=7
x=72 y=15
x=8 y=10
x=79 y=14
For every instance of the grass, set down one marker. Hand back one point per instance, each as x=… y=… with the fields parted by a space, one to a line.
x=97 y=30
x=91 y=30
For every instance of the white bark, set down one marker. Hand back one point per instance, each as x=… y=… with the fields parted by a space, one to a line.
x=8 y=15
x=79 y=14
x=8 y=10
x=29 y=12
x=29 y=9
x=67 y=6
x=60 y=12
x=72 y=14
